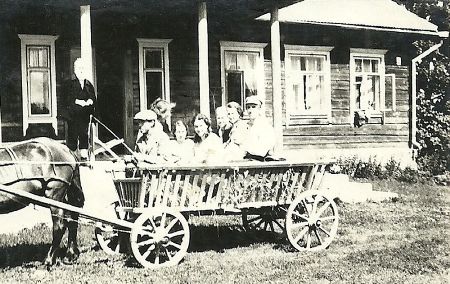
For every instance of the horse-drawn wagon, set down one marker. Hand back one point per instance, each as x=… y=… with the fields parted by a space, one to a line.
x=154 y=202
x=274 y=196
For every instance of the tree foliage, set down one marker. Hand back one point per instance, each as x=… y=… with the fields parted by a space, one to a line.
x=433 y=83
x=433 y=110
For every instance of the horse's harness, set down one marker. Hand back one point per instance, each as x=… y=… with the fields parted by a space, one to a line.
x=13 y=170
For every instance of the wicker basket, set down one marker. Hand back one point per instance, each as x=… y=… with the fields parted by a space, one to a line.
x=129 y=191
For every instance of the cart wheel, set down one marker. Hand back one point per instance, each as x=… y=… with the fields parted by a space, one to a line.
x=263 y=222
x=109 y=238
x=160 y=239
x=311 y=221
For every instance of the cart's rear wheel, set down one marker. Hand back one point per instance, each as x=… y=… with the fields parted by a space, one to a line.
x=312 y=221
x=109 y=238
x=267 y=222
x=160 y=239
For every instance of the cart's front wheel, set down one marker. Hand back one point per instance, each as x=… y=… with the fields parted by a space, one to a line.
x=312 y=221
x=160 y=239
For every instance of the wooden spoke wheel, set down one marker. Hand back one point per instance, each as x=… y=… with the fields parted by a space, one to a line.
x=266 y=222
x=110 y=239
x=160 y=239
x=312 y=221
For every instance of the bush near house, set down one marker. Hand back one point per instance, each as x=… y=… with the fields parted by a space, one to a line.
x=433 y=102
x=374 y=169
x=433 y=111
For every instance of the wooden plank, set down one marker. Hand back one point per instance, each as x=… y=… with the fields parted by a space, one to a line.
x=222 y=183
x=256 y=204
x=167 y=188
x=278 y=186
x=202 y=193
x=362 y=145
x=247 y=181
x=254 y=192
x=176 y=188
x=192 y=193
x=160 y=191
x=143 y=190
x=259 y=195
x=154 y=181
x=301 y=182
x=291 y=191
x=270 y=184
x=185 y=190
x=318 y=177
x=119 y=189
x=311 y=175
x=212 y=185
x=226 y=190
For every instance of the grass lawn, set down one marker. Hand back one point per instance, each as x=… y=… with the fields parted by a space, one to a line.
x=406 y=241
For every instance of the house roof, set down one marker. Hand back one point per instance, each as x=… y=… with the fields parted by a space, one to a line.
x=358 y=14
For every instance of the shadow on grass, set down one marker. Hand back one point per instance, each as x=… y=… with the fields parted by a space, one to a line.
x=219 y=238
x=23 y=255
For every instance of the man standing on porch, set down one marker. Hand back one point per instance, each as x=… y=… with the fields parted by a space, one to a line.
x=260 y=139
x=80 y=105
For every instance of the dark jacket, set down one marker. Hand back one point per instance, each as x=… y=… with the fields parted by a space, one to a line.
x=73 y=91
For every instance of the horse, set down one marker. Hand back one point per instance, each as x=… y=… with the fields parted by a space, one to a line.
x=47 y=168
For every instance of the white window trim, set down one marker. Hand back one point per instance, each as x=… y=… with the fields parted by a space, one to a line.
x=49 y=40
x=307 y=50
x=367 y=53
x=244 y=47
x=155 y=43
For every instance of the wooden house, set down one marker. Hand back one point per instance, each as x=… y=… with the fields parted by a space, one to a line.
x=335 y=75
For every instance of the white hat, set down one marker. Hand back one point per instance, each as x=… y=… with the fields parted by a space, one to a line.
x=253 y=100
x=145 y=115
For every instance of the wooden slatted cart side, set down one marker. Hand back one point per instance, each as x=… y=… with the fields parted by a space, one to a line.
x=229 y=187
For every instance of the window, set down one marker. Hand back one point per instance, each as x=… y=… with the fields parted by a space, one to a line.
x=154 y=79
x=242 y=70
x=308 y=86
x=367 y=80
x=38 y=80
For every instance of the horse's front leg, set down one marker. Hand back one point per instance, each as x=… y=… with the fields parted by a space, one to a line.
x=59 y=229
x=72 y=252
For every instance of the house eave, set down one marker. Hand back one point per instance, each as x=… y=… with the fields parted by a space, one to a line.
x=368 y=27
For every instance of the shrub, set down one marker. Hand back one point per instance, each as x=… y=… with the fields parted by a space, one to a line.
x=433 y=111
x=372 y=169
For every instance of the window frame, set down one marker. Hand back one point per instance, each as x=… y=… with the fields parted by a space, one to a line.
x=249 y=47
x=48 y=41
x=368 y=54
x=303 y=50
x=162 y=44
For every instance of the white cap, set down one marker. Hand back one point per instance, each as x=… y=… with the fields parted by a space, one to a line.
x=255 y=100
x=145 y=115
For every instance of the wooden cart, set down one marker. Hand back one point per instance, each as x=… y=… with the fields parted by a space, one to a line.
x=272 y=196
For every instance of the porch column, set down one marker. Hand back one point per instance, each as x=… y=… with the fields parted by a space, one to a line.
x=86 y=46
x=276 y=78
x=1 y=140
x=203 y=58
